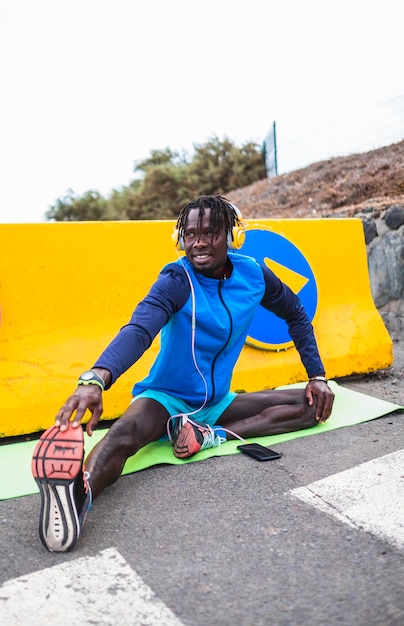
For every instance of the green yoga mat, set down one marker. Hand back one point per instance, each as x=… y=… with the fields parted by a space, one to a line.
x=350 y=407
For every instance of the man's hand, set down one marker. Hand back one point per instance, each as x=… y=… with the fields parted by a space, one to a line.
x=319 y=393
x=85 y=397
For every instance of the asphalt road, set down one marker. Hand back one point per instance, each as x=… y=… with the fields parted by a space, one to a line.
x=218 y=542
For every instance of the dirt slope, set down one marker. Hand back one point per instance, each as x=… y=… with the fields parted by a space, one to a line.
x=337 y=187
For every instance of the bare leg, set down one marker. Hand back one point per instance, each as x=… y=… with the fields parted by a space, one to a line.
x=144 y=421
x=268 y=413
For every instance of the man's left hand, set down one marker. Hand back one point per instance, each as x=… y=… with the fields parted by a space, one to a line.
x=319 y=393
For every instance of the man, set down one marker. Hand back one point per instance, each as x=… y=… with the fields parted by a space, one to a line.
x=203 y=304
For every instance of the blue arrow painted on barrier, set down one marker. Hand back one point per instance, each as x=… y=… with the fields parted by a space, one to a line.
x=291 y=266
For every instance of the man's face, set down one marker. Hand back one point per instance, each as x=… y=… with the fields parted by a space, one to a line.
x=205 y=249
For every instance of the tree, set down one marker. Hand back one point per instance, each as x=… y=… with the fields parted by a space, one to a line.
x=221 y=167
x=90 y=206
x=169 y=180
x=161 y=157
x=163 y=189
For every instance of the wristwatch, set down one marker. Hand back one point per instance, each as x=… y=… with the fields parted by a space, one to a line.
x=91 y=378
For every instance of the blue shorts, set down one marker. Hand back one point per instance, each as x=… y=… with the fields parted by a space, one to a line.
x=208 y=415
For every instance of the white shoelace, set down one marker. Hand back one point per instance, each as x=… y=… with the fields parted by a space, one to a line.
x=211 y=439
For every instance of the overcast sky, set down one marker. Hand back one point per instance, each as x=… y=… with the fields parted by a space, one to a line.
x=91 y=86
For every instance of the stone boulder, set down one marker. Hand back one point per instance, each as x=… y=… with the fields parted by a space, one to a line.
x=384 y=238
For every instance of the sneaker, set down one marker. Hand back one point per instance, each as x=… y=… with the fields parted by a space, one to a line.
x=57 y=466
x=190 y=437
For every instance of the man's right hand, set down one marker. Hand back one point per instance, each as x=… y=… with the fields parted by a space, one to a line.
x=85 y=397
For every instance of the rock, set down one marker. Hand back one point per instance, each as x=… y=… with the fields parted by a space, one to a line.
x=394 y=217
x=370 y=230
x=386 y=268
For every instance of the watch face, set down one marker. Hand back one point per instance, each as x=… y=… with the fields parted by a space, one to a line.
x=87 y=376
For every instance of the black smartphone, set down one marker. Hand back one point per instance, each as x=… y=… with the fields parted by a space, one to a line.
x=258 y=452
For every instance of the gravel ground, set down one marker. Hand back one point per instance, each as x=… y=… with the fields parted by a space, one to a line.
x=387 y=384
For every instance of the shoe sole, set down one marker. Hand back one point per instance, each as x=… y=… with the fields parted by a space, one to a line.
x=186 y=444
x=56 y=463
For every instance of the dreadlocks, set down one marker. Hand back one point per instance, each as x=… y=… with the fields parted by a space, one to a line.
x=222 y=214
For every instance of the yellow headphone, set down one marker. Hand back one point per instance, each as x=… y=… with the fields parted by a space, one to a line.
x=235 y=238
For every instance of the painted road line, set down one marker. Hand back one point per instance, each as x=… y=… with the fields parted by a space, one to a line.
x=369 y=496
x=100 y=590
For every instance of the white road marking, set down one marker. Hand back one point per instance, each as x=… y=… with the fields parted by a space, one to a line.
x=102 y=590
x=369 y=496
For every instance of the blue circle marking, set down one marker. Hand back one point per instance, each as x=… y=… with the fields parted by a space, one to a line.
x=268 y=331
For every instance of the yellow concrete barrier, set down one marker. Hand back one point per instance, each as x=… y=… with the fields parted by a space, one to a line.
x=66 y=288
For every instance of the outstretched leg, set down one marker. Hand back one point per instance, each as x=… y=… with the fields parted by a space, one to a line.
x=143 y=422
x=67 y=487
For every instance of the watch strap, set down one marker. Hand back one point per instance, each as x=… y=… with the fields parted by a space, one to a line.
x=94 y=380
